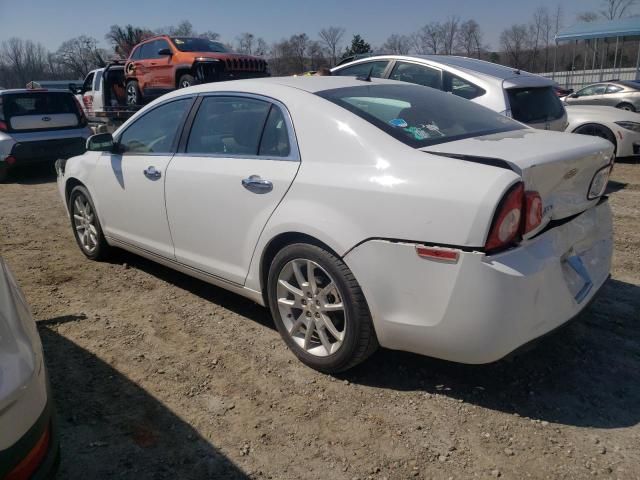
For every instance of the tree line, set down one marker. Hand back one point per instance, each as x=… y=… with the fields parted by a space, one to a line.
x=529 y=46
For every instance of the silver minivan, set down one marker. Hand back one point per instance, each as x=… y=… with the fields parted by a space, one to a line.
x=523 y=96
x=39 y=125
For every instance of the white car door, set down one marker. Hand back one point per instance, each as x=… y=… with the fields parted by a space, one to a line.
x=129 y=187
x=239 y=160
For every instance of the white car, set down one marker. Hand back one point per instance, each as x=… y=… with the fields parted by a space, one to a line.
x=524 y=96
x=39 y=125
x=360 y=212
x=29 y=445
x=620 y=127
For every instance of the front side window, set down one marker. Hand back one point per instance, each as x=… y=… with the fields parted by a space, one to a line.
x=461 y=87
x=592 y=90
x=418 y=74
x=419 y=116
x=146 y=51
x=228 y=126
x=88 y=83
x=195 y=44
x=377 y=68
x=155 y=131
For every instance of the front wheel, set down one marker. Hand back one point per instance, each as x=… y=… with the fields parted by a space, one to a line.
x=134 y=97
x=319 y=308
x=186 y=81
x=597 y=130
x=86 y=225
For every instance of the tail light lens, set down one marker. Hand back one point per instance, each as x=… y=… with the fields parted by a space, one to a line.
x=599 y=182
x=3 y=126
x=519 y=213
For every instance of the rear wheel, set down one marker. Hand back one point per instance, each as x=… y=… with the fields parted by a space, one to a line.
x=627 y=106
x=86 y=225
x=186 y=80
x=319 y=308
x=134 y=97
x=597 y=130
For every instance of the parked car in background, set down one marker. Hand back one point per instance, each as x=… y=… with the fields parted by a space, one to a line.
x=615 y=93
x=39 y=125
x=621 y=128
x=29 y=445
x=164 y=63
x=530 y=246
x=515 y=93
x=561 y=91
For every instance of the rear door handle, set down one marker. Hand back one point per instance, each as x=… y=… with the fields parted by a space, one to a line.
x=151 y=173
x=256 y=184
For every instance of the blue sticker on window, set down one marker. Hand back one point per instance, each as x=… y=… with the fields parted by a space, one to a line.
x=399 y=123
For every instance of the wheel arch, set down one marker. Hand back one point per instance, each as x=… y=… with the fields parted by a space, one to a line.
x=601 y=125
x=70 y=184
x=182 y=71
x=276 y=244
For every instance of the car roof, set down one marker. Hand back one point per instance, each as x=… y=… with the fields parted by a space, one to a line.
x=470 y=65
x=33 y=90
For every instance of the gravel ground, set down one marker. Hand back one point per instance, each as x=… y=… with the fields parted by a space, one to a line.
x=157 y=375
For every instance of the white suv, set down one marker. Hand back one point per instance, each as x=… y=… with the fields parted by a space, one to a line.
x=39 y=125
x=526 y=97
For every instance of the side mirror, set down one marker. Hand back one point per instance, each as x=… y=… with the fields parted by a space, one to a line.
x=164 y=52
x=101 y=142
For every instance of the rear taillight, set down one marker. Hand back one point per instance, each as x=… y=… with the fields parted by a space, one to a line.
x=599 y=182
x=3 y=126
x=83 y=118
x=533 y=211
x=518 y=213
x=507 y=221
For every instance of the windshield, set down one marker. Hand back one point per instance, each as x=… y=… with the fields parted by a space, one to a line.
x=419 y=116
x=191 y=44
x=532 y=105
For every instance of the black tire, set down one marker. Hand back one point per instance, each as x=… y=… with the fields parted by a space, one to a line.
x=359 y=340
x=626 y=106
x=4 y=172
x=134 y=96
x=102 y=249
x=186 y=81
x=597 y=130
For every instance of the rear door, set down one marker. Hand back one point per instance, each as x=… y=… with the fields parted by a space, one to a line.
x=40 y=110
x=234 y=168
x=129 y=186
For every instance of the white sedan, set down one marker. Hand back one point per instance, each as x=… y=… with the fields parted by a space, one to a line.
x=620 y=127
x=361 y=212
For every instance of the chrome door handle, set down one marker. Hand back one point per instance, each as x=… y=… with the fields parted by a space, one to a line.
x=256 y=184
x=151 y=173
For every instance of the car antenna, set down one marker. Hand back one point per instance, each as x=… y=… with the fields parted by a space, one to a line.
x=367 y=78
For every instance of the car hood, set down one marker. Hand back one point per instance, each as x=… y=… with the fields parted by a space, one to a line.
x=600 y=113
x=559 y=166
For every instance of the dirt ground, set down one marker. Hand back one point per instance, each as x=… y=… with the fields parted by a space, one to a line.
x=157 y=375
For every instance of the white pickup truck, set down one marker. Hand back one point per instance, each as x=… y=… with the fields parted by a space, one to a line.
x=102 y=97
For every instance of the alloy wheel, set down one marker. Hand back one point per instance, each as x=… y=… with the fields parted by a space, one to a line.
x=311 y=307
x=84 y=221
x=132 y=95
x=185 y=84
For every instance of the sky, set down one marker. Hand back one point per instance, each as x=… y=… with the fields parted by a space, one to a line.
x=53 y=21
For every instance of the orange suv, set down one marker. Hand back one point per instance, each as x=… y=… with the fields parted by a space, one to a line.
x=164 y=63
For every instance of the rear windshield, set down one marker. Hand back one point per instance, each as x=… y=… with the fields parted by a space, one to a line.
x=419 y=116
x=190 y=44
x=533 y=105
x=37 y=103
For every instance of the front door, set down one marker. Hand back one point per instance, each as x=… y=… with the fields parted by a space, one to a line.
x=236 y=167
x=130 y=192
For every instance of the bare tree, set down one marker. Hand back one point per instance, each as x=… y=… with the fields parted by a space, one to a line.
x=80 y=55
x=183 y=29
x=469 y=38
x=210 y=35
x=515 y=43
x=586 y=17
x=450 y=33
x=24 y=61
x=331 y=38
x=246 y=42
x=613 y=9
x=261 y=47
x=430 y=38
x=315 y=51
x=125 y=38
x=397 y=44
x=298 y=45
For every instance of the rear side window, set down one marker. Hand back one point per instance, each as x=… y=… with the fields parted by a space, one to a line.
x=228 y=126
x=418 y=74
x=362 y=69
x=533 y=105
x=275 y=138
x=419 y=116
x=155 y=131
x=461 y=87
x=613 y=89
